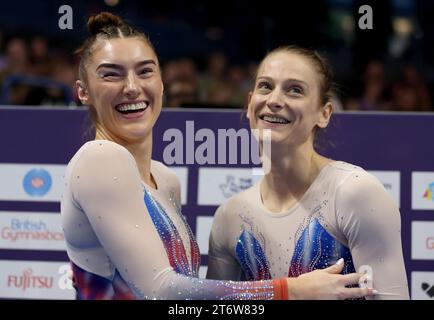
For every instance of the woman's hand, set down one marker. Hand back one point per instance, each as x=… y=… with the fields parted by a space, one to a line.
x=327 y=284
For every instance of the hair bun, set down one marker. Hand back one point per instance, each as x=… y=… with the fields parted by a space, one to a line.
x=102 y=20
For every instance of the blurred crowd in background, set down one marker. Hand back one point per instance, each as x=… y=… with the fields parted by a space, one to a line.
x=210 y=50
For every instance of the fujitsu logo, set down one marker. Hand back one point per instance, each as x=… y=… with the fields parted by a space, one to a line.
x=28 y=280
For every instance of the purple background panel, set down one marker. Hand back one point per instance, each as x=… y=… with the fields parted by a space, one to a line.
x=375 y=141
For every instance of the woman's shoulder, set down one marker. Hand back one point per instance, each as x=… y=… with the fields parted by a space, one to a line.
x=101 y=152
x=102 y=147
x=341 y=171
x=354 y=181
x=344 y=167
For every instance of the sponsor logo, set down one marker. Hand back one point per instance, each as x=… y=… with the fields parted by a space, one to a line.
x=422 y=190
x=422 y=240
x=429 y=192
x=37 y=182
x=216 y=185
x=29 y=230
x=234 y=185
x=31 y=182
x=29 y=280
x=35 y=280
x=422 y=285
x=430 y=243
x=428 y=289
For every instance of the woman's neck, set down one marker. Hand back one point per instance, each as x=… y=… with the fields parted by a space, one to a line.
x=291 y=174
x=141 y=150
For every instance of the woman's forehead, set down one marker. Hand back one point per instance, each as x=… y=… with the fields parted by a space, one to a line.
x=288 y=65
x=122 y=50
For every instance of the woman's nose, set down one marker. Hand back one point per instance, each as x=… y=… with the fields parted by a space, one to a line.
x=275 y=100
x=131 y=88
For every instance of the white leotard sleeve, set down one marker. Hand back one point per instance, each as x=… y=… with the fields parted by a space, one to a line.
x=221 y=261
x=371 y=223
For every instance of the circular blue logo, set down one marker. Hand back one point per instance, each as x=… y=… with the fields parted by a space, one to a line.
x=37 y=182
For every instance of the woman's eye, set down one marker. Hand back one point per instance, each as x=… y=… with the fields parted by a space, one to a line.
x=296 y=90
x=110 y=75
x=145 y=71
x=264 y=85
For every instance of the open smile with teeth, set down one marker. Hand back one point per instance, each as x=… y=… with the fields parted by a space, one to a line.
x=126 y=108
x=274 y=119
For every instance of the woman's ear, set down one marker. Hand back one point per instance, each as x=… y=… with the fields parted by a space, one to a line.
x=325 y=115
x=82 y=92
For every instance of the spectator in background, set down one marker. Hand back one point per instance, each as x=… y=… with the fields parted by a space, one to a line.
x=62 y=72
x=17 y=62
x=237 y=80
x=374 y=89
x=17 y=57
x=40 y=62
x=180 y=93
x=411 y=92
x=181 y=83
x=213 y=79
x=35 y=74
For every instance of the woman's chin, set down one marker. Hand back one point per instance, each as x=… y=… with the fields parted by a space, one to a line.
x=275 y=138
x=136 y=133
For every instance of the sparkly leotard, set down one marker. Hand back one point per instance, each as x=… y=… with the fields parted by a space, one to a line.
x=126 y=240
x=345 y=213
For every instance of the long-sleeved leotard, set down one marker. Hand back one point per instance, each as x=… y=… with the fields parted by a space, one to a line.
x=345 y=213
x=126 y=240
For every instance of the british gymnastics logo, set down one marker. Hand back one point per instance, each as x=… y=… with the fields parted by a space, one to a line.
x=429 y=192
x=37 y=182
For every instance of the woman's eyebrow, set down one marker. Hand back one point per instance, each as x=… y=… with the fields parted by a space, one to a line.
x=109 y=66
x=145 y=62
x=120 y=67
x=286 y=80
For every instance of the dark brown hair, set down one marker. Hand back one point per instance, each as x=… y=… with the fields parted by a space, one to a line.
x=104 y=26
